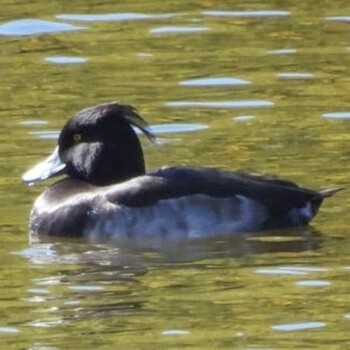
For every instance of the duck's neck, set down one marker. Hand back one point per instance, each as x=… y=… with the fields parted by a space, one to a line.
x=115 y=165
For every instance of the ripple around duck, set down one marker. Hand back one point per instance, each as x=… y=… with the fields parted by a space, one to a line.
x=111 y=17
x=26 y=27
x=221 y=104
x=337 y=115
x=65 y=60
x=275 y=13
x=298 y=326
x=178 y=30
x=225 y=81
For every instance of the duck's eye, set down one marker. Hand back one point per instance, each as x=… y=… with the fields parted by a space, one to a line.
x=77 y=137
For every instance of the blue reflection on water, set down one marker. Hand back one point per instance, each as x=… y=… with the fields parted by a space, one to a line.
x=243 y=118
x=246 y=13
x=224 y=81
x=175 y=128
x=295 y=75
x=282 y=52
x=111 y=17
x=313 y=283
x=337 y=115
x=9 y=330
x=298 y=326
x=178 y=29
x=175 y=332
x=65 y=60
x=26 y=27
x=339 y=18
x=221 y=104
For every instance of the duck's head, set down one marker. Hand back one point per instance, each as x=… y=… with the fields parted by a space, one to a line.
x=97 y=145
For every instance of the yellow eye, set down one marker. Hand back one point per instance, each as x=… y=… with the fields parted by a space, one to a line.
x=76 y=137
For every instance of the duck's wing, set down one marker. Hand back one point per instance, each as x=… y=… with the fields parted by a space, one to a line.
x=174 y=182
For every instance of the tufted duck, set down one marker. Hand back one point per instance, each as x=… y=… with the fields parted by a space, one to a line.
x=108 y=194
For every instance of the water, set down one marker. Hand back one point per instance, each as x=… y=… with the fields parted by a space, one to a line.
x=241 y=85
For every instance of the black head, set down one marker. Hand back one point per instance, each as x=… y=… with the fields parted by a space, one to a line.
x=98 y=145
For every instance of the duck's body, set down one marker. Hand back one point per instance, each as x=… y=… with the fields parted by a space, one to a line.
x=109 y=195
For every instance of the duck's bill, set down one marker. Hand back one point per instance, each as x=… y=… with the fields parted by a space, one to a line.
x=50 y=167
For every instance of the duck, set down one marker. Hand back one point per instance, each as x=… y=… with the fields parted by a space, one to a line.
x=108 y=194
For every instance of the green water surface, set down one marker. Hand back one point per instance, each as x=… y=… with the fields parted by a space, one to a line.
x=282 y=290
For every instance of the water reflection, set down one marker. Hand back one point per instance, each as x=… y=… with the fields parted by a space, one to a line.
x=178 y=30
x=221 y=104
x=295 y=75
x=243 y=118
x=112 y=17
x=62 y=294
x=337 y=115
x=339 y=18
x=139 y=254
x=25 y=27
x=243 y=14
x=298 y=326
x=282 y=52
x=65 y=59
x=9 y=330
x=224 y=81
x=313 y=283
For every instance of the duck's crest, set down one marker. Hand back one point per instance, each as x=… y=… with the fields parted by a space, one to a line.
x=131 y=115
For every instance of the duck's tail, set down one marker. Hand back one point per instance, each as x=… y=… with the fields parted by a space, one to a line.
x=321 y=195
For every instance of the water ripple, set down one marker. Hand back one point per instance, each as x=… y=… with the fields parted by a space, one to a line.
x=247 y=13
x=243 y=118
x=9 y=330
x=33 y=122
x=298 y=326
x=313 y=283
x=282 y=52
x=295 y=75
x=215 y=82
x=178 y=29
x=26 y=27
x=339 y=18
x=45 y=135
x=337 y=115
x=279 y=271
x=175 y=128
x=221 y=104
x=91 y=288
x=65 y=59
x=175 y=332
x=111 y=17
